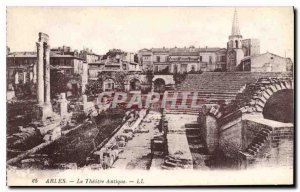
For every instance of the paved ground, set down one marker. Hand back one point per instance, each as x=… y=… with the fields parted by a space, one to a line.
x=137 y=153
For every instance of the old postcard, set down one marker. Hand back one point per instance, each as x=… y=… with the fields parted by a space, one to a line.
x=150 y=96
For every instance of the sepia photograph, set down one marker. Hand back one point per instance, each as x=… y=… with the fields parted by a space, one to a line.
x=150 y=96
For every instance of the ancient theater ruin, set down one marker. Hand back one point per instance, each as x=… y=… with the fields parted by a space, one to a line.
x=191 y=108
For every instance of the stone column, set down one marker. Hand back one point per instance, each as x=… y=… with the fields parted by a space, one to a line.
x=40 y=73
x=152 y=86
x=34 y=73
x=84 y=99
x=63 y=105
x=47 y=74
x=30 y=76
x=24 y=77
x=17 y=78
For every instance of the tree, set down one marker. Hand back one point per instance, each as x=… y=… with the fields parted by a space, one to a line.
x=120 y=79
x=114 y=52
x=179 y=77
x=149 y=75
x=58 y=82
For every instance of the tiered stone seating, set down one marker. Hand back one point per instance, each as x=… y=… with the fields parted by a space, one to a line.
x=214 y=87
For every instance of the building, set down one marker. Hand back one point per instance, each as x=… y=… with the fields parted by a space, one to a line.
x=181 y=60
x=212 y=59
x=21 y=66
x=235 y=52
x=114 y=60
x=89 y=56
x=244 y=54
x=251 y=47
x=267 y=62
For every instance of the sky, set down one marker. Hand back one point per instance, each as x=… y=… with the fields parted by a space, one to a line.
x=135 y=28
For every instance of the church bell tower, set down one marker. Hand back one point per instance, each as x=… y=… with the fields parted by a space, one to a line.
x=234 y=46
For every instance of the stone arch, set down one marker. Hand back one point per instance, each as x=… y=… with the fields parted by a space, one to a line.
x=109 y=84
x=280 y=106
x=271 y=90
x=168 y=79
x=159 y=84
x=260 y=100
x=236 y=43
x=134 y=84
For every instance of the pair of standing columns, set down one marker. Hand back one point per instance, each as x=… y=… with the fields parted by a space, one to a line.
x=43 y=73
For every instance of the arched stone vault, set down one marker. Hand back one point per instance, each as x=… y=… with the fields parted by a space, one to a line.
x=263 y=96
x=259 y=98
x=169 y=80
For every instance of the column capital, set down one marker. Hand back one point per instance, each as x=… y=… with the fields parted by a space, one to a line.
x=38 y=44
x=47 y=47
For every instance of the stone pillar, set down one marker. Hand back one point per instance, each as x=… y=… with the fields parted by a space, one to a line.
x=17 y=78
x=152 y=86
x=84 y=99
x=63 y=105
x=40 y=73
x=34 y=73
x=24 y=77
x=31 y=76
x=47 y=74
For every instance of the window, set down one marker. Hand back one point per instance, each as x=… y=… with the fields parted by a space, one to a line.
x=184 y=68
x=236 y=44
x=156 y=68
x=175 y=69
x=167 y=68
x=200 y=58
x=158 y=58
x=223 y=58
x=193 y=68
x=210 y=59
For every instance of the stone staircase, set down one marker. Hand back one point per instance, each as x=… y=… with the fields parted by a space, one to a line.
x=194 y=138
x=258 y=142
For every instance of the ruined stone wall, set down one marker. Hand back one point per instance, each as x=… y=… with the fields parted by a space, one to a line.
x=209 y=131
x=282 y=145
x=278 y=149
x=232 y=133
x=250 y=129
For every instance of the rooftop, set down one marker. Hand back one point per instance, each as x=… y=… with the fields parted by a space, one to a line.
x=183 y=51
x=34 y=55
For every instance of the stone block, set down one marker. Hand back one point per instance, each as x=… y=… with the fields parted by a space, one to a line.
x=259 y=108
x=42 y=112
x=260 y=103
x=266 y=95
x=263 y=99
x=269 y=91
x=278 y=87
x=273 y=88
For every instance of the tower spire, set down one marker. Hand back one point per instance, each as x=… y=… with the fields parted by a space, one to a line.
x=235 y=31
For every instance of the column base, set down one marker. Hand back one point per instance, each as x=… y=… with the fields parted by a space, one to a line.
x=42 y=112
